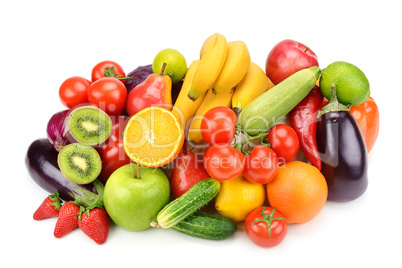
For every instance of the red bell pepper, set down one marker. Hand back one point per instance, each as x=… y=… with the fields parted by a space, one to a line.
x=367 y=117
x=303 y=119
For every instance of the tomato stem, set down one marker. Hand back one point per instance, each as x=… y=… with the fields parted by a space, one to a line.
x=268 y=219
x=248 y=139
x=109 y=72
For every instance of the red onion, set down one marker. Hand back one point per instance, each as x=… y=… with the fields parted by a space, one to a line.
x=57 y=130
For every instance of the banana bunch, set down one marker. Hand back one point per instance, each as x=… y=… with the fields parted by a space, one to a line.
x=222 y=66
x=223 y=76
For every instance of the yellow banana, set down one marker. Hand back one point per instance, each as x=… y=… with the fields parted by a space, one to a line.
x=254 y=83
x=210 y=101
x=235 y=67
x=213 y=55
x=184 y=108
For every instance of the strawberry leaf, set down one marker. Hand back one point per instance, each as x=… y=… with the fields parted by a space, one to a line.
x=89 y=200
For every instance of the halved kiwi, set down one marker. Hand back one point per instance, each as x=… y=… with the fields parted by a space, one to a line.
x=89 y=125
x=79 y=163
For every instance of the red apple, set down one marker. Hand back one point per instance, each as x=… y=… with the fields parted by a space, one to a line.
x=286 y=58
x=187 y=170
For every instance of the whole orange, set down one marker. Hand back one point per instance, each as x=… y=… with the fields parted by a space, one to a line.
x=299 y=191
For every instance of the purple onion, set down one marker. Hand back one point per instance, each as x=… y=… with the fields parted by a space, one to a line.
x=57 y=130
x=138 y=76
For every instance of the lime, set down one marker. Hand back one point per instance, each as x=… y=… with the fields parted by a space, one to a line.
x=176 y=65
x=352 y=86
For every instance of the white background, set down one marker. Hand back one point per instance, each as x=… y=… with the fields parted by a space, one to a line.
x=45 y=42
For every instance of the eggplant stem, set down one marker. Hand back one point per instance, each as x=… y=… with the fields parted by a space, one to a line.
x=334 y=105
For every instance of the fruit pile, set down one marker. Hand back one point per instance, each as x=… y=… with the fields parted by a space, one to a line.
x=205 y=147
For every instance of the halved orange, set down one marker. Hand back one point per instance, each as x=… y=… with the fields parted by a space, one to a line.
x=153 y=137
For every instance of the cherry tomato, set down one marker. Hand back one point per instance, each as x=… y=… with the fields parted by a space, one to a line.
x=109 y=94
x=218 y=125
x=223 y=162
x=266 y=227
x=284 y=142
x=108 y=68
x=112 y=150
x=74 y=91
x=261 y=165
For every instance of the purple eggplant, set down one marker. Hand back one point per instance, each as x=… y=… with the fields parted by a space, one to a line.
x=343 y=154
x=41 y=163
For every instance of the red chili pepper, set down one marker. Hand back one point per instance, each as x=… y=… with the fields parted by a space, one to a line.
x=303 y=119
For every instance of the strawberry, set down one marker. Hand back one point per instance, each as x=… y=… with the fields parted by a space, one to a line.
x=95 y=224
x=68 y=219
x=49 y=208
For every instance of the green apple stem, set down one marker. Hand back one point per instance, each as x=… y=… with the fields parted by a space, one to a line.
x=138 y=171
x=185 y=146
x=163 y=68
x=155 y=224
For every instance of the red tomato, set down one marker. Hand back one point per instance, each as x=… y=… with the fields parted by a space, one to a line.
x=109 y=94
x=219 y=125
x=108 y=68
x=112 y=150
x=223 y=162
x=266 y=227
x=284 y=142
x=261 y=165
x=74 y=91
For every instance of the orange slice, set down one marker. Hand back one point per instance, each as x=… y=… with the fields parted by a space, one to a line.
x=153 y=137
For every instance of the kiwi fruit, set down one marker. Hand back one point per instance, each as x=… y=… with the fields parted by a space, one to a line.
x=89 y=125
x=79 y=163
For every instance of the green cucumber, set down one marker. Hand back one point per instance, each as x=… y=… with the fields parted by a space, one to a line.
x=267 y=109
x=195 y=198
x=206 y=226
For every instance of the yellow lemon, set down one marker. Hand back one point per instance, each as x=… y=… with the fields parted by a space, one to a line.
x=238 y=197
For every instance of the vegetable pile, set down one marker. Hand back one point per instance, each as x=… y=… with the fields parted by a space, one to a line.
x=206 y=148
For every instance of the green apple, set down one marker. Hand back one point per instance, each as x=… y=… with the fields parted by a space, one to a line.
x=176 y=65
x=133 y=202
